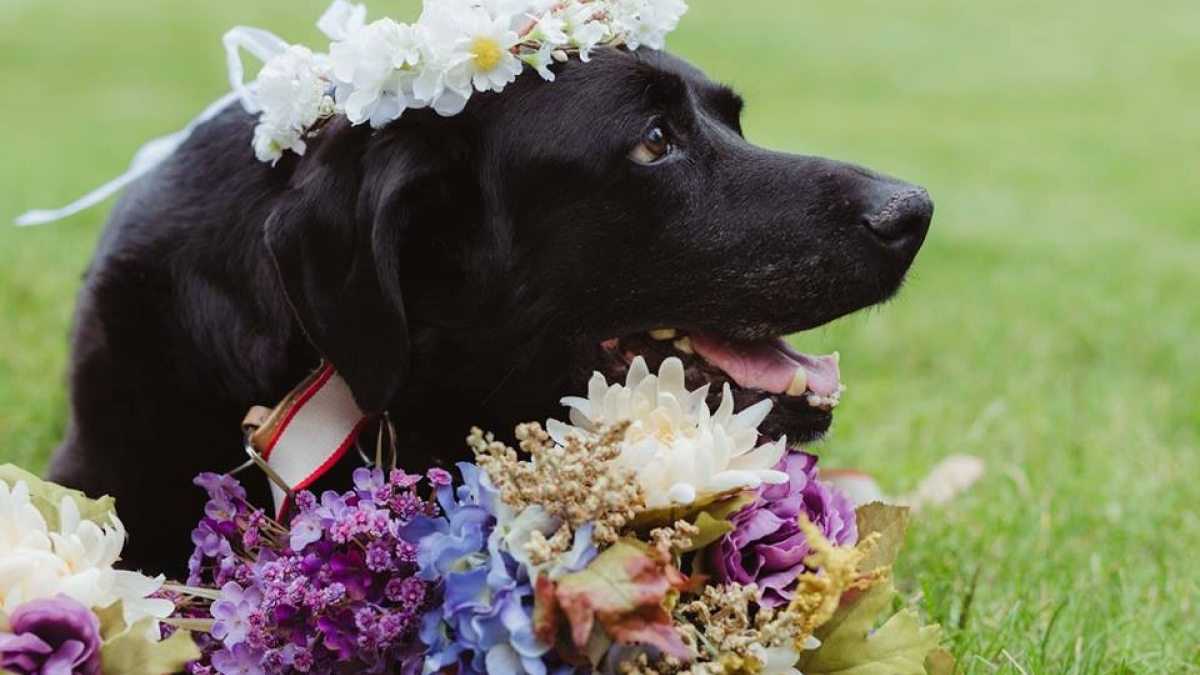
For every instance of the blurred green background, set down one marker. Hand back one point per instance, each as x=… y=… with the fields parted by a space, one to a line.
x=1050 y=325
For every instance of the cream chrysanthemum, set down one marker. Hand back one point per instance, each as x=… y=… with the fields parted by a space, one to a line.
x=679 y=449
x=76 y=560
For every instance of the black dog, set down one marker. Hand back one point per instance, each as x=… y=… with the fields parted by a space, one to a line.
x=464 y=271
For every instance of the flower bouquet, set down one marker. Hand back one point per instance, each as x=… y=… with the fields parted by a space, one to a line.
x=650 y=535
x=64 y=609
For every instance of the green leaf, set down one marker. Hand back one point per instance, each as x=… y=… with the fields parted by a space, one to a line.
x=849 y=647
x=850 y=643
x=112 y=620
x=940 y=662
x=711 y=516
x=132 y=653
x=625 y=590
x=890 y=523
x=46 y=497
x=711 y=529
x=720 y=506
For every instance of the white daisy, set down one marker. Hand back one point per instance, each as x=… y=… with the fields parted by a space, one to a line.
x=489 y=42
x=679 y=449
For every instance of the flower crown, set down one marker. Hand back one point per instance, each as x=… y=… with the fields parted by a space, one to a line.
x=375 y=71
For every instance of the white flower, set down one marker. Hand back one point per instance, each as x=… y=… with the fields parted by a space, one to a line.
x=541 y=60
x=374 y=70
x=679 y=450
x=647 y=22
x=76 y=560
x=549 y=33
x=550 y=30
x=290 y=91
x=380 y=69
x=479 y=42
x=781 y=659
x=583 y=29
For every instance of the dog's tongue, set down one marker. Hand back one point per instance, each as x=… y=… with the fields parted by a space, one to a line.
x=770 y=365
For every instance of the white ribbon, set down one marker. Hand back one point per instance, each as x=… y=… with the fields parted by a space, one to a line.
x=342 y=20
x=262 y=44
x=147 y=157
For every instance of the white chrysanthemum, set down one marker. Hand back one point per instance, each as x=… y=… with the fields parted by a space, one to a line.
x=646 y=22
x=76 y=560
x=679 y=449
x=290 y=90
x=374 y=69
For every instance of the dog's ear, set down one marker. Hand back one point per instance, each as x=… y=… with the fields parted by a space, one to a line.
x=335 y=240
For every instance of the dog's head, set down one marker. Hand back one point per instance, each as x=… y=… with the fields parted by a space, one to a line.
x=474 y=269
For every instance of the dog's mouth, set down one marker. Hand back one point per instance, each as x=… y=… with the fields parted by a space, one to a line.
x=804 y=388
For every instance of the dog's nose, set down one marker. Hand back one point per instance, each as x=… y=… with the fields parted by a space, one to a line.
x=899 y=213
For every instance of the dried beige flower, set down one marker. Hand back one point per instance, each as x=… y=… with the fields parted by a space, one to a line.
x=578 y=482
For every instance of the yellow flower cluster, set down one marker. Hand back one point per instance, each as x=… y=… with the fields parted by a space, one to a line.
x=731 y=636
x=818 y=594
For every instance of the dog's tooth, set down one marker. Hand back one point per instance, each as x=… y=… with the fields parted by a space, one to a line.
x=799 y=383
x=664 y=334
x=684 y=344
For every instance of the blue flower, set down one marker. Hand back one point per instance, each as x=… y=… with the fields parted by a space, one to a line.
x=485 y=620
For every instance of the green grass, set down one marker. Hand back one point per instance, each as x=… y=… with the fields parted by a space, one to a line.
x=1049 y=327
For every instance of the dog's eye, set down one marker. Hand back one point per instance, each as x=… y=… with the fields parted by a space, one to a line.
x=654 y=146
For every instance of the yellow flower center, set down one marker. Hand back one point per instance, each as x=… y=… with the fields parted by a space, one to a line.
x=487 y=53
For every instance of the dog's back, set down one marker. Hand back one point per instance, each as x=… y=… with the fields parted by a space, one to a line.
x=175 y=324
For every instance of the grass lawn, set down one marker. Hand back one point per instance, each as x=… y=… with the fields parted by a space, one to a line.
x=1050 y=325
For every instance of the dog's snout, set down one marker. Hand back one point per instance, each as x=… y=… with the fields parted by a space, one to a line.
x=899 y=213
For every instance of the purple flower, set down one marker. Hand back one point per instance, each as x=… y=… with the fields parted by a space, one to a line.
x=439 y=477
x=234 y=613
x=368 y=482
x=54 y=636
x=339 y=633
x=402 y=479
x=306 y=529
x=407 y=592
x=241 y=659
x=314 y=598
x=208 y=541
x=220 y=484
x=766 y=546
